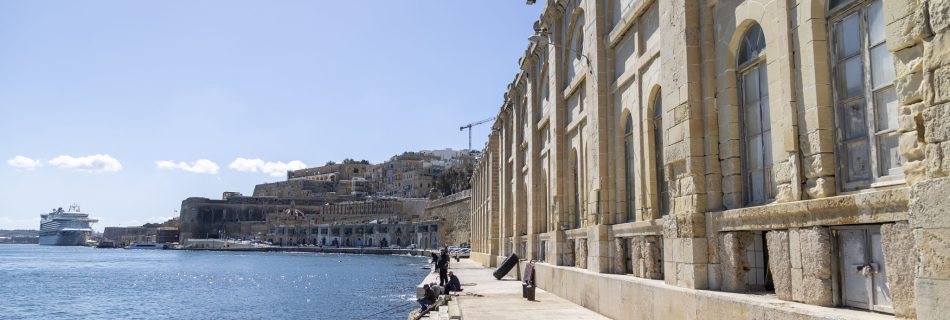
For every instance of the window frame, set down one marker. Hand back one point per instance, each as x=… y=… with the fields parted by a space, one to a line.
x=659 y=158
x=836 y=16
x=742 y=69
x=628 y=165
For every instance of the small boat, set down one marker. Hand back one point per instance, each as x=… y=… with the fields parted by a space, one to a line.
x=146 y=245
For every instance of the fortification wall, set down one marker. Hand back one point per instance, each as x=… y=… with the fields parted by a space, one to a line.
x=294 y=189
x=454 y=213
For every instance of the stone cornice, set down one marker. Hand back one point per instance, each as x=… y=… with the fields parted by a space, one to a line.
x=865 y=207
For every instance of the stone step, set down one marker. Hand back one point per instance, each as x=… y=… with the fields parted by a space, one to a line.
x=454 y=311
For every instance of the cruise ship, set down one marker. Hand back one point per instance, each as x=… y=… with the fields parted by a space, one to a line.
x=65 y=228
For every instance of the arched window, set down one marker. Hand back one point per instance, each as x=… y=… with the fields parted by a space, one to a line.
x=628 y=167
x=756 y=129
x=577 y=43
x=575 y=47
x=865 y=99
x=662 y=192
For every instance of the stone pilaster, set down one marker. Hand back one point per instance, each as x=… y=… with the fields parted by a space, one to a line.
x=732 y=260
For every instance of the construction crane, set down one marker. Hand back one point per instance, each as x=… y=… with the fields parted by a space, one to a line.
x=469 y=127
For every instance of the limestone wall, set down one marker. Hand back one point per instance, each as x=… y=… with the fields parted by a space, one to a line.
x=643 y=120
x=654 y=299
x=294 y=188
x=455 y=215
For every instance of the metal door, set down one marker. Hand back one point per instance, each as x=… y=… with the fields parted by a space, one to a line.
x=861 y=266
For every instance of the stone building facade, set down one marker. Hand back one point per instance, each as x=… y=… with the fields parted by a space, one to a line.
x=247 y=217
x=294 y=227
x=794 y=148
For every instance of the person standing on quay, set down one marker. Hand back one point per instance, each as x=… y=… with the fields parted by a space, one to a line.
x=443 y=267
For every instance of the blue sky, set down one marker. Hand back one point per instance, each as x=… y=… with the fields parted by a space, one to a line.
x=94 y=93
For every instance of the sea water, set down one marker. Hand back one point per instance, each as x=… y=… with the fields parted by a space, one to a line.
x=46 y=282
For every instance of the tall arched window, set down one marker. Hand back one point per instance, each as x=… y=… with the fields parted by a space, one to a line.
x=662 y=192
x=578 y=41
x=756 y=129
x=628 y=167
x=575 y=47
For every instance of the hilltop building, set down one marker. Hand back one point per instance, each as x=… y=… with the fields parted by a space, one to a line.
x=353 y=203
x=653 y=155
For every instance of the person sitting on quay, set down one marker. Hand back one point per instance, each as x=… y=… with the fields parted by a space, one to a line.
x=428 y=298
x=454 y=283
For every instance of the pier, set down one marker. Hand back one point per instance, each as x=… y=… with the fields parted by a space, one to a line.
x=484 y=298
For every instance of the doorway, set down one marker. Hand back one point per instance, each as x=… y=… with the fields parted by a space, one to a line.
x=861 y=270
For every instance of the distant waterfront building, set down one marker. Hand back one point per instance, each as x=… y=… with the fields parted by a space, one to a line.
x=166 y=234
x=783 y=148
x=352 y=193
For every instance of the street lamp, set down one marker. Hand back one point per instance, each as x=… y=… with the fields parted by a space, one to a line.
x=542 y=38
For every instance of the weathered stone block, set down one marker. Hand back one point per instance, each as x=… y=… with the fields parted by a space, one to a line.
x=819 y=141
x=897 y=242
x=779 y=263
x=896 y=9
x=690 y=225
x=618 y=261
x=782 y=172
x=909 y=60
x=928 y=206
x=580 y=258
x=910 y=118
x=933 y=296
x=822 y=117
x=652 y=257
x=820 y=187
x=568 y=258
x=907 y=31
x=934 y=253
x=910 y=147
x=691 y=275
x=784 y=193
x=937 y=166
x=732 y=260
x=937 y=127
x=816 y=248
x=910 y=88
x=936 y=51
x=794 y=248
x=819 y=165
x=798 y=290
x=915 y=171
x=939 y=15
x=636 y=256
x=941 y=83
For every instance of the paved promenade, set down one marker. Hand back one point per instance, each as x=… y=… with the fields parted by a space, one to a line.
x=501 y=299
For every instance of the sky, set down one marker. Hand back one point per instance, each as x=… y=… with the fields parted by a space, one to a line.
x=129 y=107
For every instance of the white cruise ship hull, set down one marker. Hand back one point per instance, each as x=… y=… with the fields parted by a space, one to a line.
x=64 y=238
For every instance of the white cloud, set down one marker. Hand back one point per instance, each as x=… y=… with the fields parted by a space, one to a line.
x=94 y=163
x=200 y=166
x=24 y=163
x=275 y=169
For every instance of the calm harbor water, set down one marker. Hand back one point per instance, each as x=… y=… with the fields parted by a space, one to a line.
x=43 y=282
